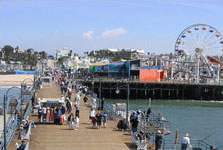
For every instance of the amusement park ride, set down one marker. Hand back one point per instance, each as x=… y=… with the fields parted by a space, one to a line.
x=196 y=55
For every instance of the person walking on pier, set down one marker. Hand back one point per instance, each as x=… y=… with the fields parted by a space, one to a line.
x=71 y=121
x=40 y=115
x=62 y=87
x=105 y=118
x=93 y=121
x=77 y=99
x=148 y=112
x=158 y=140
x=185 y=143
x=44 y=113
x=99 y=117
x=69 y=92
x=91 y=114
x=85 y=99
x=134 y=122
x=22 y=146
x=77 y=122
x=77 y=112
x=69 y=106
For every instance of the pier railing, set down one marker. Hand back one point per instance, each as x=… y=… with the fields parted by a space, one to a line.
x=111 y=112
x=12 y=125
x=195 y=143
x=177 y=82
x=27 y=110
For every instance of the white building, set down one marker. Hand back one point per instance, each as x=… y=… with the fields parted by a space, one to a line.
x=62 y=53
x=51 y=63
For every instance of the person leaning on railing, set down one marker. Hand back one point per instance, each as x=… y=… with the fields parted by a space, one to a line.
x=185 y=143
x=158 y=140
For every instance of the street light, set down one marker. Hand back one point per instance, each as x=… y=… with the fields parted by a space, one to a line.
x=23 y=84
x=100 y=105
x=5 y=100
x=127 y=102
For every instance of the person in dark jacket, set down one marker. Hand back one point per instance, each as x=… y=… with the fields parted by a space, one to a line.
x=22 y=146
x=71 y=121
x=148 y=112
x=158 y=140
x=85 y=99
x=99 y=118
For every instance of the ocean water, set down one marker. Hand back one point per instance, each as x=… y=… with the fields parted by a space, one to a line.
x=202 y=120
x=14 y=93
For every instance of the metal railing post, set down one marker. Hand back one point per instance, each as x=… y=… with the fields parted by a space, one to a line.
x=127 y=105
x=5 y=140
x=100 y=94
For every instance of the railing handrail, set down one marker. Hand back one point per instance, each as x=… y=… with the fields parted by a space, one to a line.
x=197 y=142
x=12 y=124
x=28 y=109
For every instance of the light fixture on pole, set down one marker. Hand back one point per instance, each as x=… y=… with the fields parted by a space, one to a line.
x=117 y=91
x=25 y=82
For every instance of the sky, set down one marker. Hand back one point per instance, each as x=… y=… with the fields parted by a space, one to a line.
x=85 y=25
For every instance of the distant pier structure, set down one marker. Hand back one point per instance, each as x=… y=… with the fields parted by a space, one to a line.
x=117 y=89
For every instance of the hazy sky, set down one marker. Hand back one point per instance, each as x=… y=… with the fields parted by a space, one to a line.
x=83 y=25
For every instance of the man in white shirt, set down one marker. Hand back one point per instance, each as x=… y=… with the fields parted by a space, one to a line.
x=44 y=114
x=91 y=113
x=185 y=143
x=77 y=99
x=62 y=98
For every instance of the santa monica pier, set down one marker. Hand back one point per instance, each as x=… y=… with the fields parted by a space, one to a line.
x=103 y=78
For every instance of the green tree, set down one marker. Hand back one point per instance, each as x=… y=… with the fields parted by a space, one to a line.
x=43 y=55
x=7 y=52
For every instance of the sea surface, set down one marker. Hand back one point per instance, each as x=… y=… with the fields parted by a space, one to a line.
x=13 y=93
x=202 y=120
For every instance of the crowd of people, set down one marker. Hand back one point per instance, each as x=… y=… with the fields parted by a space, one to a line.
x=69 y=113
x=98 y=119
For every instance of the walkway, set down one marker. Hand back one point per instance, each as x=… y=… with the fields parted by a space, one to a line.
x=58 y=137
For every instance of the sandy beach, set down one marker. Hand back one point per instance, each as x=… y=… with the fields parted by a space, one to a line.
x=7 y=80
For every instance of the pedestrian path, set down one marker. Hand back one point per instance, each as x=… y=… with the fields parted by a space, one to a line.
x=58 y=137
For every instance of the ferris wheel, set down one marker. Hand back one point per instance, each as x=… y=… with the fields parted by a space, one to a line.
x=200 y=37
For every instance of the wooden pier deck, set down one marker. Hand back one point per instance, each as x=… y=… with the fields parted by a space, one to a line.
x=58 y=137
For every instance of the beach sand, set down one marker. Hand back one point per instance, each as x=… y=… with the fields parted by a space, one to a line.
x=6 y=80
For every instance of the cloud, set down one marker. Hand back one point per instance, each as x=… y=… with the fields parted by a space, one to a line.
x=113 y=33
x=88 y=35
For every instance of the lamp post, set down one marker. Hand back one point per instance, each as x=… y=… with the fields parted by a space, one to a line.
x=5 y=142
x=100 y=94
x=127 y=103
x=4 y=103
x=29 y=80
